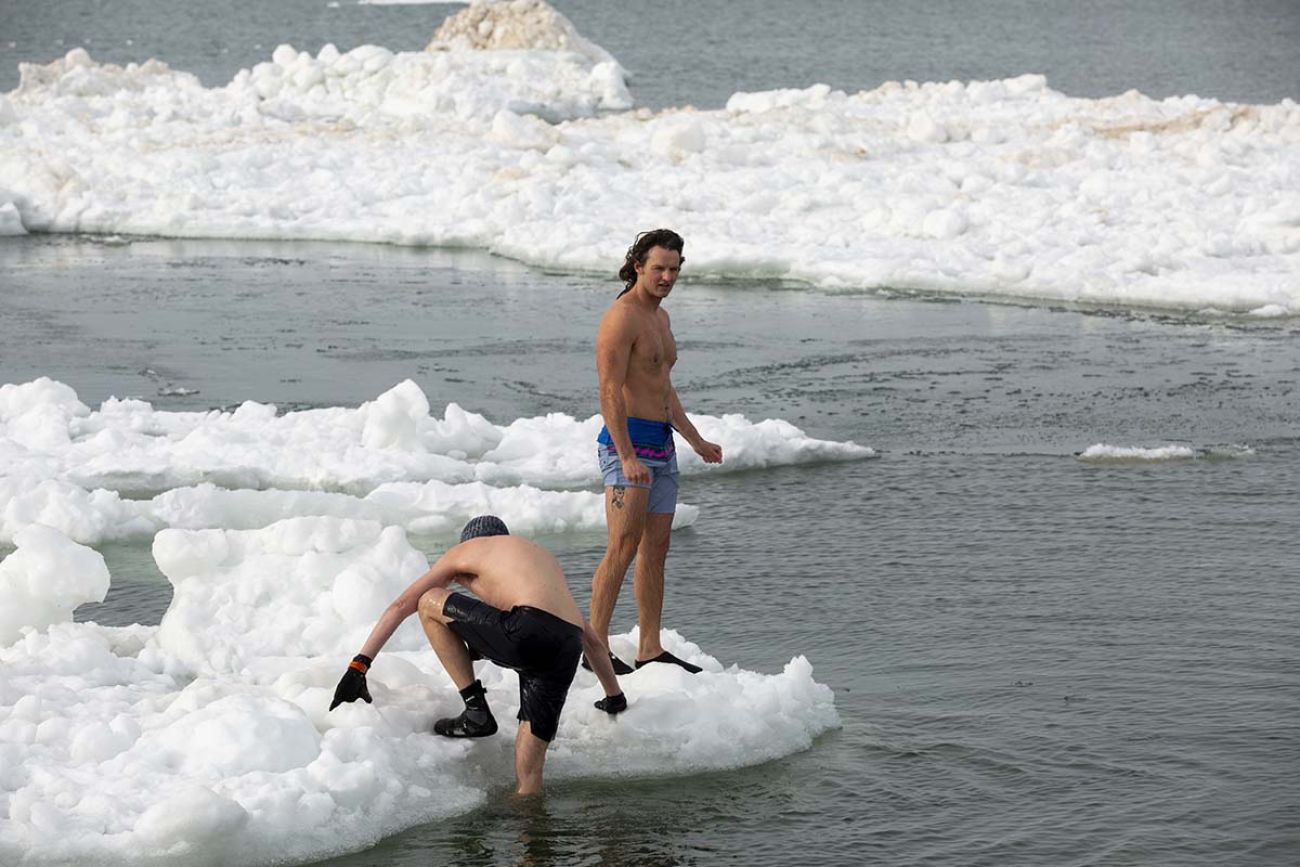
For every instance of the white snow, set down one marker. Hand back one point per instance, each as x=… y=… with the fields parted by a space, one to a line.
x=47 y=577
x=987 y=188
x=127 y=470
x=207 y=739
x=1103 y=453
x=11 y=222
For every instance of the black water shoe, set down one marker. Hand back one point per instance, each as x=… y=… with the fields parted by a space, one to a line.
x=620 y=667
x=669 y=658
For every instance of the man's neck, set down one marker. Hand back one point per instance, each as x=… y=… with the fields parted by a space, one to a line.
x=644 y=298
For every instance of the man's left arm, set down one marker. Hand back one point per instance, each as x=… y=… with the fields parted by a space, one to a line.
x=711 y=452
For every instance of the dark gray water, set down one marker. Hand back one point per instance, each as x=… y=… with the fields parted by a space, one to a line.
x=1037 y=660
x=699 y=52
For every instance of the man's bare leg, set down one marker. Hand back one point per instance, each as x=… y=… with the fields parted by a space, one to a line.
x=530 y=756
x=648 y=584
x=476 y=720
x=648 y=581
x=625 y=516
x=452 y=652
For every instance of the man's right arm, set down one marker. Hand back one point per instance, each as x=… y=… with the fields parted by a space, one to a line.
x=613 y=357
x=439 y=575
x=353 y=685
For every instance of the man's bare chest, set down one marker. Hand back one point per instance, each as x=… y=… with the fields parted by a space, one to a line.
x=654 y=349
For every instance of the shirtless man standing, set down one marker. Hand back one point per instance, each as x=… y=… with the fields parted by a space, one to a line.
x=527 y=621
x=635 y=353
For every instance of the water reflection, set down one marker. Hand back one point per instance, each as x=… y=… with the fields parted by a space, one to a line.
x=702 y=819
x=572 y=824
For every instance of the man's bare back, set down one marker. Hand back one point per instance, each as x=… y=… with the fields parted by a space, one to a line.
x=505 y=571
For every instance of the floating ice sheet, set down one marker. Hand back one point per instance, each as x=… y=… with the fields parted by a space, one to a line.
x=206 y=740
x=989 y=188
x=1103 y=453
x=128 y=470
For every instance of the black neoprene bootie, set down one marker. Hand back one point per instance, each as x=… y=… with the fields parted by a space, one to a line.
x=668 y=658
x=476 y=721
x=620 y=667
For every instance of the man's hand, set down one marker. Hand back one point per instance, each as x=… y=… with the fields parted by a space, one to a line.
x=635 y=472
x=353 y=685
x=612 y=704
x=711 y=452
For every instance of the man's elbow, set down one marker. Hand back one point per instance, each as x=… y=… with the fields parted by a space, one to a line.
x=401 y=608
x=610 y=393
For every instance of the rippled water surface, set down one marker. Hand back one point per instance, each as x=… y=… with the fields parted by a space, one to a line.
x=1037 y=659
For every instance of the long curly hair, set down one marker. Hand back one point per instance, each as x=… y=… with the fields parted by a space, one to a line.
x=640 y=249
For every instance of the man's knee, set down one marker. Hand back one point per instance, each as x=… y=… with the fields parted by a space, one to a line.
x=652 y=552
x=622 y=547
x=624 y=538
x=430 y=605
x=657 y=536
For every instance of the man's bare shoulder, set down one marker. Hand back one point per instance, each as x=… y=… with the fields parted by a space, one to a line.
x=467 y=553
x=502 y=553
x=620 y=319
x=509 y=570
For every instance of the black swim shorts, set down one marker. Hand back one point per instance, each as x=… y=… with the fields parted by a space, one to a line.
x=543 y=648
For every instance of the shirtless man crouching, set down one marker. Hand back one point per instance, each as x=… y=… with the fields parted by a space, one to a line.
x=527 y=621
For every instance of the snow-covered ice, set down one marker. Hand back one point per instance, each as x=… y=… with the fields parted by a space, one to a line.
x=1103 y=453
x=518 y=136
x=205 y=738
x=128 y=470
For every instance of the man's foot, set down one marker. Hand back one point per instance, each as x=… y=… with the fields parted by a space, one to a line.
x=669 y=658
x=612 y=704
x=620 y=667
x=470 y=724
x=475 y=721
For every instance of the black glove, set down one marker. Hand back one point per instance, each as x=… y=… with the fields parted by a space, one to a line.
x=612 y=704
x=353 y=685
